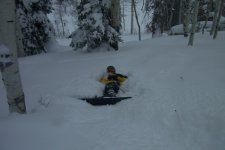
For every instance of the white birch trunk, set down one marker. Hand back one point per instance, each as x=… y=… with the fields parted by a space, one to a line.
x=10 y=68
x=194 y=18
x=215 y=17
x=218 y=19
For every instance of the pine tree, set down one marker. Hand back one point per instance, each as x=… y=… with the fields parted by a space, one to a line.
x=94 y=26
x=35 y=25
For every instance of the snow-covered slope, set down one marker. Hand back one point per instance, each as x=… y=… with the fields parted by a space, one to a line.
x=178 y=98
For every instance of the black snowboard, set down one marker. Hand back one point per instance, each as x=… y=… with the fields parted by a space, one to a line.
x=104 y=100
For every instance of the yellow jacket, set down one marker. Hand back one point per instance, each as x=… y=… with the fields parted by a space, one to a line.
x=119 y=78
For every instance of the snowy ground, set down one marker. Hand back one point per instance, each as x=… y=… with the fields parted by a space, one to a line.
x=178 y=98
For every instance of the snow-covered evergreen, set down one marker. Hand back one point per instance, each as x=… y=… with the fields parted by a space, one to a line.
x=94 y=26
x=35 y=25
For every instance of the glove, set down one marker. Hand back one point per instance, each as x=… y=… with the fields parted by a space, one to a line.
x=112 y=77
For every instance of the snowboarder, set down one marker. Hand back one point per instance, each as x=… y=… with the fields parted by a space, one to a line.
x=112 y=81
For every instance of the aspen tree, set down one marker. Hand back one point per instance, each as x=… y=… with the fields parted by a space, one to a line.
x=215 y=17
x=218 y=19
x=194 y=22
x=9 y=63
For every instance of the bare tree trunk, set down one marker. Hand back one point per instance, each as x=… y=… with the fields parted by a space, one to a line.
x=215 y=17
x=143 y=5
x=218 y=19
x=116 y=17
x=64 y=7
x=207 y=15
x=116 y=14
x=57 y=28
x=139 y=27
x=180 y=11
x=209 y=8
x=9 y=66
x=171 y=14
x=132 y=18
x=124 y=23
x=19 y=41
x=194 y=18
x=61 y=19
x=186 y=18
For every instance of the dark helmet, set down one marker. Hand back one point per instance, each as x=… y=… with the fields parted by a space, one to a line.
x=111 y=69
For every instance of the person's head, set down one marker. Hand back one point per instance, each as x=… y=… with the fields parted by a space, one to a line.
x=111 y=69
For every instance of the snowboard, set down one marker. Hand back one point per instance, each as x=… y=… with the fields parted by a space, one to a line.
x=104 y=100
